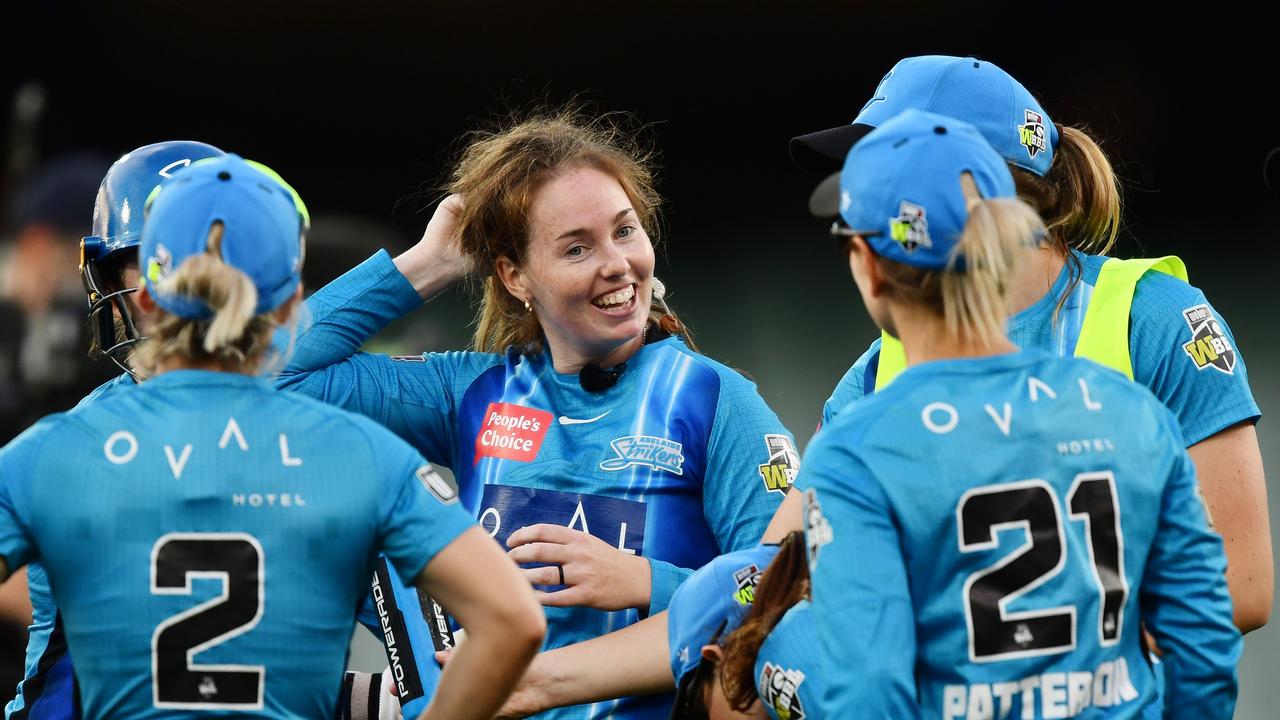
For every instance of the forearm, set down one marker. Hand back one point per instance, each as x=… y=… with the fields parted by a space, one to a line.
x=631 y=661
x=787 y=519
x=1233 y=484
x=425 y=272
x=479 y=676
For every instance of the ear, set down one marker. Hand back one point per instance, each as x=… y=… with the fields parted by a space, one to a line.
x=865 y=266
x=513 y=278
x=712 y=652
x=285 y=311
x=146 y=303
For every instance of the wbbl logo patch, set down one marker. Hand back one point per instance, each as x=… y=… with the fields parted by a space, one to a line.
x=780 y=690
x=910 y=228
x=780 y=470
x=1209 y=346
x=746 y=579
x=1032 y=134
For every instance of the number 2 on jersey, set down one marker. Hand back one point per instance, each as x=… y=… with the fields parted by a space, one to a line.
x=235 y=559
x=996 y=634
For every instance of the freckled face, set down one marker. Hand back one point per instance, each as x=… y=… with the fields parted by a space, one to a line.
x=588 y=268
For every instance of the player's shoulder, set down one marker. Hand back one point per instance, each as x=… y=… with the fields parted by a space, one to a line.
x=463 y=362
x=337 y=420
x=858 y=381
x=1156 y=293
x=121 y=382
x=59 y=430
x=1096 y=387
x=674 y=347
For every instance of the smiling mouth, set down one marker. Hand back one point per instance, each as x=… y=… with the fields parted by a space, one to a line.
x=617 y=300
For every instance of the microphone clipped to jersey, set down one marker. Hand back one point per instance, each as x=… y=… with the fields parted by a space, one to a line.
x=596 y=379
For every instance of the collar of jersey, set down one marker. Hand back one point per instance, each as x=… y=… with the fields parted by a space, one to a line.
x=570 y=380
x=972 y=365
x=189 y=378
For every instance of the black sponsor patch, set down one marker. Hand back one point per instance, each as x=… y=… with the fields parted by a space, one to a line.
x=438 y=623
x=395 y=635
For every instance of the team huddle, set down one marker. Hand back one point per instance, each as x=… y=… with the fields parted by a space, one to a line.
x=1014 y=507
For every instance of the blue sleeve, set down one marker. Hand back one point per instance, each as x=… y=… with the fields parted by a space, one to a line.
x=1184 y=352
x=861 y=600
x=1184 y=600
x=858 y=382
x=664 y=580
x=418 y=515
x=413 y=397
x=17 y=470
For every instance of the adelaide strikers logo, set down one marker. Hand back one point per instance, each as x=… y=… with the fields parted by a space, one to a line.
x=780 y=470
x=910 y=228
x=1032 y=134
x=780 y=691
x=647 y=451
x=1209 y=346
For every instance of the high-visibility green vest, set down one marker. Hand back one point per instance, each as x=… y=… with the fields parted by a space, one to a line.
x=1104 y=334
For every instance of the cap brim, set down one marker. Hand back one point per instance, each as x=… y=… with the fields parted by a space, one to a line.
x=685 y=690
x=824 y=202
x=1271 y=170
x=824 y=151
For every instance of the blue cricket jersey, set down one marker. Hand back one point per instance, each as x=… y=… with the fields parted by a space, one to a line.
x=679 y=462
x=208 y=541
x=789 y=677
x=1167 y=314
x=988 y=536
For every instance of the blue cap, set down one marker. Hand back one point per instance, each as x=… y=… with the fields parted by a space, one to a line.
x=711 y=603
x=789 y=679
x=975 y=91
x=900 y=187
x=263 y=227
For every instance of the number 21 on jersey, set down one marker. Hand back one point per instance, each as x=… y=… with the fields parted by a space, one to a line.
x=1032 y=506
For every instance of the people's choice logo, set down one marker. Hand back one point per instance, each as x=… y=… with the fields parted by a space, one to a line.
x=512 y=432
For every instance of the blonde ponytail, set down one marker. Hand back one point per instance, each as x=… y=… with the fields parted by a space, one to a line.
x=975 y=302
x=234 y=337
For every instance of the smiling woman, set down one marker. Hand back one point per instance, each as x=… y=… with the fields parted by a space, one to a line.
x=586 y=435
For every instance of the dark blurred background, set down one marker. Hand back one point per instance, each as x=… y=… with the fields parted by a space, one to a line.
x=359 y=106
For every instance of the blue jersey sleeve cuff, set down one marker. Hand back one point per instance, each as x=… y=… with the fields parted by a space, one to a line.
x=664 y=578
x=379 y=274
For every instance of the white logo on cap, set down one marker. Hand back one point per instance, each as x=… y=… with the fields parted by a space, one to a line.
x=845 y=200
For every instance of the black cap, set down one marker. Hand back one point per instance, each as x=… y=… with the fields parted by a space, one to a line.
x=824 y=151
